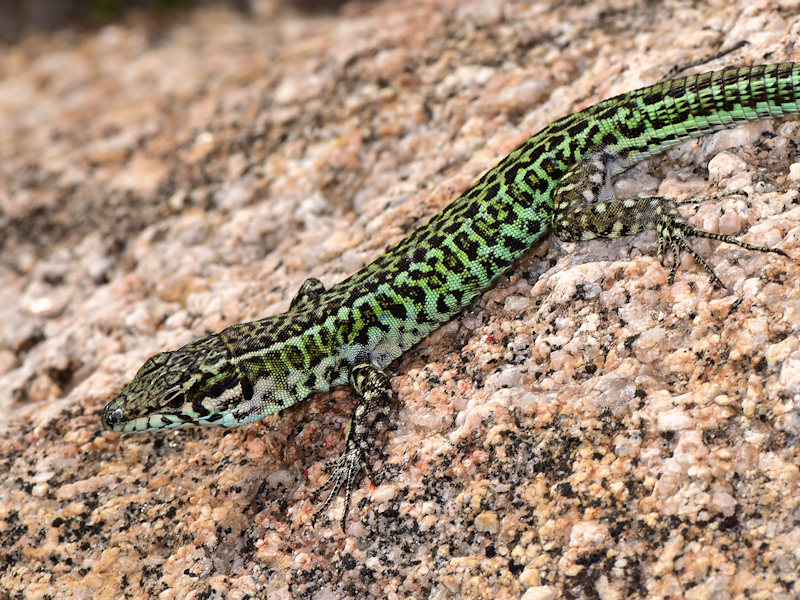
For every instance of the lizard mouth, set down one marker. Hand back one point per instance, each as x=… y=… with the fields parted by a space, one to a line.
x=115 y=418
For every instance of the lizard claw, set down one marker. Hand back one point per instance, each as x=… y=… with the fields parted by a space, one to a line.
x=343 y=472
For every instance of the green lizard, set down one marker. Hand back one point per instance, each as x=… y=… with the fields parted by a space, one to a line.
x=558 y=179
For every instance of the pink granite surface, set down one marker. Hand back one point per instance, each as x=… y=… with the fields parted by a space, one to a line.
x=584 y=431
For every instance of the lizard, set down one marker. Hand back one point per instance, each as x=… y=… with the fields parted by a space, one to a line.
x=558 y=180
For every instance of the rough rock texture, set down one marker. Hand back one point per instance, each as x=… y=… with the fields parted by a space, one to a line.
x=584 y=431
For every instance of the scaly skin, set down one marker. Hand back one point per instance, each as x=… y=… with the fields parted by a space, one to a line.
x=558 y=178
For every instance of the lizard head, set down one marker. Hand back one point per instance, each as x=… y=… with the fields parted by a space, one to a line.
x=193 y=385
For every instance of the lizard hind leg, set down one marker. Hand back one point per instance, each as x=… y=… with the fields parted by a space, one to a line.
x=676 y=236
x=580 y=215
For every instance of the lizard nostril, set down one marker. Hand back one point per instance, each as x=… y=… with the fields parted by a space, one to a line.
x=111 y=417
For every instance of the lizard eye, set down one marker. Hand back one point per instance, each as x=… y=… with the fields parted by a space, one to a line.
x=175 y=401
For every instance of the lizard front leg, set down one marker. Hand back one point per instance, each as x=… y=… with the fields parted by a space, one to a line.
x=308 y=293
x=366 y=422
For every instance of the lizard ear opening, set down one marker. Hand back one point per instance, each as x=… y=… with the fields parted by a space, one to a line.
x=246 y=386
